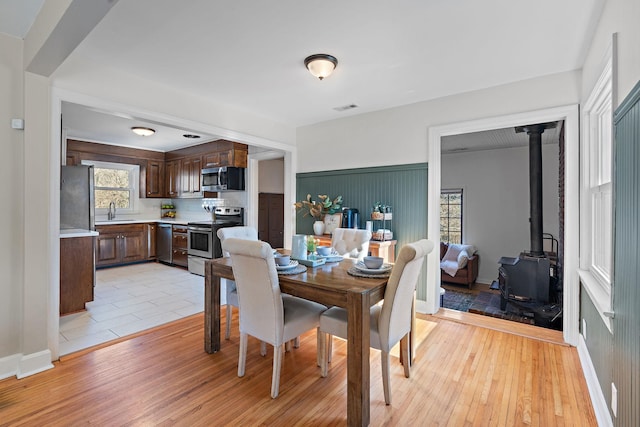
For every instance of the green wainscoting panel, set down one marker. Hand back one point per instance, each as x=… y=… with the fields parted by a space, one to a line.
x=403 y=187
x=626 y=290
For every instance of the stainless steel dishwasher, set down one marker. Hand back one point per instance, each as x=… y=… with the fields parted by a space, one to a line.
x=164 y=243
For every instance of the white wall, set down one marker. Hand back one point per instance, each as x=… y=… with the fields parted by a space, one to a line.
x=495 y=187
x=399 y=135
x=271 y=176
x=12 y=196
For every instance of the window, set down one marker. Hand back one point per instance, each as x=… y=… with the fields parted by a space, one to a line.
x=451 y=216
x=596 y=210
x=115 y=182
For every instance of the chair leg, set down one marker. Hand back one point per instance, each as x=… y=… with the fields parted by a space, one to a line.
x=227 y=333
x=242 y=354
x=404 y=350
x=330 y=347
x=277 y=365
x=288 y=345
x=324 y=357
x=263 y=348
x=296 y=342
x=385 y=376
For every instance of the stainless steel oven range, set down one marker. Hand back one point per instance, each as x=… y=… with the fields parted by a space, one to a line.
x=202 y=238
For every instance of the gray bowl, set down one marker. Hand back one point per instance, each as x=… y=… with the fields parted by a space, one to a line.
x=373 y=261
x=324 y=250
x=282 y=260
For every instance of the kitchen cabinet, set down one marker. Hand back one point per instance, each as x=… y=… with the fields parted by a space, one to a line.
x=120 y=244
x=154 y=179
x=191 y=177
x=232 y=157
x=151 y=240
x=179 y=245
x=173 y=177
x=77 y=276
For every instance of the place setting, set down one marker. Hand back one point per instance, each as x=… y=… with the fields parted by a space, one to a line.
x=371 y=267
x=286 y=265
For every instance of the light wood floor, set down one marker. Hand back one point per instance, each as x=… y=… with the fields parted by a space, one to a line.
x=463 y=375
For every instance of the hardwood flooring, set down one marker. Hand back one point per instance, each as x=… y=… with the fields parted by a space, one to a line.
x=463 y=375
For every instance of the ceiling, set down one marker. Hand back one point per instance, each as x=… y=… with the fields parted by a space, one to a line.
x=249 y=55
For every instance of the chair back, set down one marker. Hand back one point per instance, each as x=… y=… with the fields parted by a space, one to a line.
x=351 y=242
x=241 y=232
x=395 y=317
x=259 y=297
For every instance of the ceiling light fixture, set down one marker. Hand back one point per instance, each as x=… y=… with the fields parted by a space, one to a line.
x=191 y=136
x=321 y=65
x=142 y=131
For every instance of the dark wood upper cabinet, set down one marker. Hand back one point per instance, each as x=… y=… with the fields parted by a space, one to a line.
x=154 y=179
x=173 y=177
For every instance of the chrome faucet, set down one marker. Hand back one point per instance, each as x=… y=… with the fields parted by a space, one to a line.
x=111 y=214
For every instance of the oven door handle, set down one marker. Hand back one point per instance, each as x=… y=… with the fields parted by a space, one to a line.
x=192 y=228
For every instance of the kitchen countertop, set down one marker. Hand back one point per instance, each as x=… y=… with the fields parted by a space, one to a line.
x=77 y=232
x=145 y=221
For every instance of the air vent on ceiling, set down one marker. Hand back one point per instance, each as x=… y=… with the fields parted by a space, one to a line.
x=346 y=107
x=191 y=136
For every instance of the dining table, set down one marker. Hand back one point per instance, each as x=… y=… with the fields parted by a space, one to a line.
x=331 y=284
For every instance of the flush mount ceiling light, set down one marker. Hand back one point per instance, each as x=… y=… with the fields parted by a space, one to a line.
x=321 y=65
x=143 y=131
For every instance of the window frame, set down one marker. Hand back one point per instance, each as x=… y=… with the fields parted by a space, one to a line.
x=596 y=193
x=134 y=178
x=462 y=215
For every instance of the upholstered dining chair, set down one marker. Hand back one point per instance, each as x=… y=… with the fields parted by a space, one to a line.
x=391 y=321
x=264 y=314
x=350 y=242
x=247 y=233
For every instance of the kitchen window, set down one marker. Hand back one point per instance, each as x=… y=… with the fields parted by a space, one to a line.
x=451 y=216
x=115 y=182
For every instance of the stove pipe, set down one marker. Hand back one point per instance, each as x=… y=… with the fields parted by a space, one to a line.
x=535 y=183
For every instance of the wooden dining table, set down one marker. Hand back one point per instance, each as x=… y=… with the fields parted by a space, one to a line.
x=331 y=285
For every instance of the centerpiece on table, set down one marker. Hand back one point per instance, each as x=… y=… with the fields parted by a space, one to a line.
x=317 y=209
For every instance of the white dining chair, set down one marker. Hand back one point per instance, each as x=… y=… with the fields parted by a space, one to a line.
x=390 y=322
x=351 y=242
x=264 y=314
x=243 y=232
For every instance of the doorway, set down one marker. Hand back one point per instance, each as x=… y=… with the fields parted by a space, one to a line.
x=570 y=116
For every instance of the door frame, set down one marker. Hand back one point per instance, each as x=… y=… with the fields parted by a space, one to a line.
x=571 y=289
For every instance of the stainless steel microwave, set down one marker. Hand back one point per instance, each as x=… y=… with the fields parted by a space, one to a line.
x=225 y=178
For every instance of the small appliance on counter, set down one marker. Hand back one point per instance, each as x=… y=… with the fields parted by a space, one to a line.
x=350 y=218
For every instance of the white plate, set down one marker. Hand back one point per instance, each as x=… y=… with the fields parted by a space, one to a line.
x=292 y=264
x=361 y=267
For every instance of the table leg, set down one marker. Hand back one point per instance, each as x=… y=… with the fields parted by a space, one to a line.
x=211 y=311
x=358 y=330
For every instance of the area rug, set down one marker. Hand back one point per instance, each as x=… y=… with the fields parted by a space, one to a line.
x=460 y=301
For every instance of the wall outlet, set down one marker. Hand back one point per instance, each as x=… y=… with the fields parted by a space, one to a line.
x=614 y=400
x=584 y=328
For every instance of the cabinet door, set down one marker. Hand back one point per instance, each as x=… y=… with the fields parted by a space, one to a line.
x=191 y=172
x=151 y=241
x=173 y=178
x=107 y=249
x=212 y=160
x=133 y=246
x=155 y=179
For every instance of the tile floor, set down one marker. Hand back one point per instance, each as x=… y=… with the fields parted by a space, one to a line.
x=131 y=299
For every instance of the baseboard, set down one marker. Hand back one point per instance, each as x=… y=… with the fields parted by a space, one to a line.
x=34 y=363
x=9 y=365
x=598 y=400
x=421 y=307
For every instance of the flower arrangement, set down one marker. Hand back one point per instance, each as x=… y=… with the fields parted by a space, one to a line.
x=319 y=208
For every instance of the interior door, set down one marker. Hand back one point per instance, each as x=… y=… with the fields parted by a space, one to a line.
x=271 y=219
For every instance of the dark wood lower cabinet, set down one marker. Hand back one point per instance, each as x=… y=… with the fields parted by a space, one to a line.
x=121 y=244
x=77 y=273
x=179 y=246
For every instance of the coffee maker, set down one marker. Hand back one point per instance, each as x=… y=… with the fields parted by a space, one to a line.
x=350 y=218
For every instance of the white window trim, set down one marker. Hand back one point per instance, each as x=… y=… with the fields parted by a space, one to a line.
x=134 y=174
x=596 y=283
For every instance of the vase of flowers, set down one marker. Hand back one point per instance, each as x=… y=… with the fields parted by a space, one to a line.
x=317 y=209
